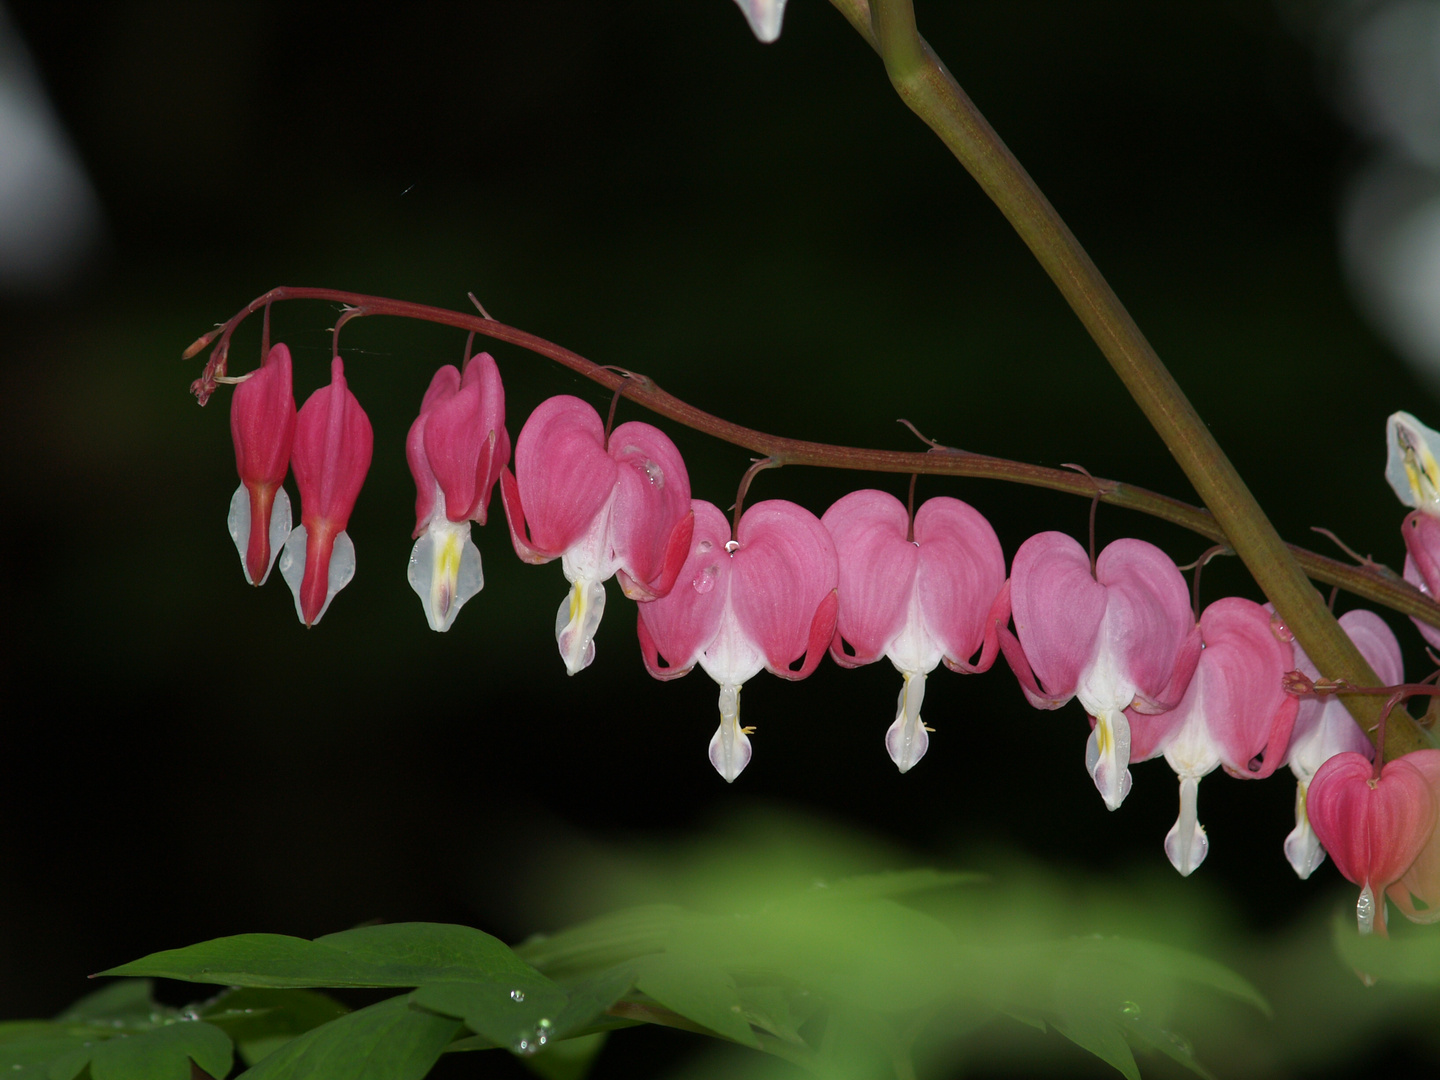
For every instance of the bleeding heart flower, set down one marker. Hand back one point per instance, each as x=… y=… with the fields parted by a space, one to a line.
x=1234 y=713
x=619 y=509
x=1374 y=827
x=456 y=449
x=916 y=601
x=764 y=17
x=262 y=423
x=1122 y=639
x=333 y=443
x=1410 y=464
x=765 y=599
x=1417 y=893
x=1324 y=727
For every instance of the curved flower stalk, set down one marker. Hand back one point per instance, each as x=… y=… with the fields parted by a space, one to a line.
x=1374 y=827
x=916 y=602
x=1124 y=639
x=456 y=449
x=619 y=508
x=262 y=424
x=1324 y=728
x=1234 y=713
x=333 y=444
x=764 y=599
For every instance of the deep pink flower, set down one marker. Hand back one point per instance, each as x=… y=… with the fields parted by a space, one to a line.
x=1324 y=727
x=1374 y=827
x=765 y=599
x=456 y=449
x=620 y=509
x=262 y=423
x=1421 y=533
x=1234 y=713
x=333 y=442
x=1123 y=639
x=1421 y=882
x=916 y=602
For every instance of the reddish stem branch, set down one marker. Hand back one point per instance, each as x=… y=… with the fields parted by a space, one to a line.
x=1371 y=581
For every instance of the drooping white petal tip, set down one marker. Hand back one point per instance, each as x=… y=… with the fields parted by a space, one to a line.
x=292 y=568
x=907 y=740
x=764 y=17
x=238 y=522
x=576 y=622
x=1302 y=846
x=1107 y=757
x=1186 y=844
x=729 y=746
x=445 y=571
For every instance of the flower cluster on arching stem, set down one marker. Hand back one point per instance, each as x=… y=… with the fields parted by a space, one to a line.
x=870 y=578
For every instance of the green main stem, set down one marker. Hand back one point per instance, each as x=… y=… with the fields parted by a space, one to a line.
x=925 y=85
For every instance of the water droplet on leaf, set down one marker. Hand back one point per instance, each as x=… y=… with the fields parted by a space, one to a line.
x=517 y=995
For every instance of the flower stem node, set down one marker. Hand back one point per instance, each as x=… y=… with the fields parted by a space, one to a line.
x=331 y=455
x=262 y=425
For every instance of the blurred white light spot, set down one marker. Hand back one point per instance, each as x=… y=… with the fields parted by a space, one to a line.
x=1393 y=75
x=49 y=215
x=1391 y=239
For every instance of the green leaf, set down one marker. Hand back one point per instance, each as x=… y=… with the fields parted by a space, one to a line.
x=569 y=1059
x=261 y=1020
x=128 y=1000
x=697 y=990
x=1413 y=959
x=1145 y=1034
x=397 y=954
x=602 y=942
x=39 y=1049
x=1096 y=1030
x=591 y=999
x=518 y=1012
x=896 y=883
x=392 y=1040
x=12 y=1030
x=163 y=1053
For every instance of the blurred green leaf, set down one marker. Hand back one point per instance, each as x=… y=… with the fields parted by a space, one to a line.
x=698 y=989
x=1093 y=1030
x=392 y=1040
x=1410 y=956
x=261 y=1020
x=396 y=954
x=603 y=941
x=163 y=1053
x=589 y=1000
x=128 y=1001
x=569 y=1059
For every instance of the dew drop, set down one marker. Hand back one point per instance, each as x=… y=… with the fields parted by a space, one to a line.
x=732 y=546
x=705 y=580
x=517 y=995
x=1365 y=910
x=1130 y=1009
x=704 y=546
x=654 y=473
x=522 y=1046
x=1279 y=629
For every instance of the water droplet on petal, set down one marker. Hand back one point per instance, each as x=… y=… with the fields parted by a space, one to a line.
x=732 y=546
x=654 y=473
x=1279 y=629
x=704 y=546
x=705 y=580
x=517 y=995
x=1365 y=910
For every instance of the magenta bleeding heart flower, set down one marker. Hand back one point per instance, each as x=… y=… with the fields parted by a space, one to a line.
x=1374 y=827
x=1417 y=893
x=331 y=455
x=262 y=424
x=456 y=449
x=1234 y=713
x=1324 y=727
x=764 y=599
x=915 y=602
x=1122 y=639
x=619 y=508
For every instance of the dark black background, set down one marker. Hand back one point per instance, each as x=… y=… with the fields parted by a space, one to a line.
x=767 y=232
